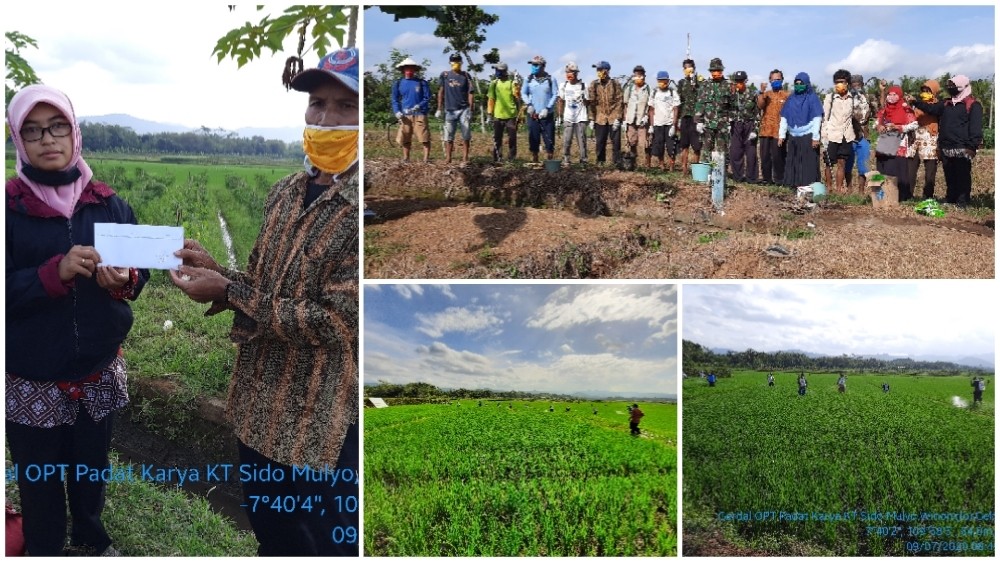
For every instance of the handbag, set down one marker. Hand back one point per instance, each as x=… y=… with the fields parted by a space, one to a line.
x=888 y=144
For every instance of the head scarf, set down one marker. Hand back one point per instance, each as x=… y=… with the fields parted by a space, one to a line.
x=964 y=88
x=61 y=197
x=899 y=113
x=926 y=120
x=800 y=109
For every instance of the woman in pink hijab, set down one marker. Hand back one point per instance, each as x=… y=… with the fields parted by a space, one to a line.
x=66 y=319
x=960 y=134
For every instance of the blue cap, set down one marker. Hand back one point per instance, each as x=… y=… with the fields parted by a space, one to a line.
x=341 y=65
x=663 y=75
x=603 y=65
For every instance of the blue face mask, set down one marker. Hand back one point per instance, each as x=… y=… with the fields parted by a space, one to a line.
x=535 y=68
x=776 y=84
x=501 y=73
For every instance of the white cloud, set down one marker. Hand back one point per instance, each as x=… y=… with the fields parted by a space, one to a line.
x=566 y=348
x=974 y=61
x=874 y=56
x=456 y=319
x=446 y=291
x=409 y=41
x=513 y=54
x=407 y=291
x=566 y=308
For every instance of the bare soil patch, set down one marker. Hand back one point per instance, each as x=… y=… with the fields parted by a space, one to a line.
x=513 y=220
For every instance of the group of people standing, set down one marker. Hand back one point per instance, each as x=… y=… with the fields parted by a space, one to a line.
x=796 y=137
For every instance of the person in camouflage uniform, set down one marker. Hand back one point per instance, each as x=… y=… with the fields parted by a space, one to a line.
x=743 y=131
x=687 y=89
x=604 y=111
x=713 y=111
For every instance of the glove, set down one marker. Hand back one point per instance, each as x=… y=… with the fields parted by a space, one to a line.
x=439 y=114
x=643 y=121
x=399 y=115
x=753 y=135
x=559 y=122
x=543 y=113
x=700 y=127
x=671 y=132
x=616 y=125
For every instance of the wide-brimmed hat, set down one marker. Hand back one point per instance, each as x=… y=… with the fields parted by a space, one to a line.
x=408 y=61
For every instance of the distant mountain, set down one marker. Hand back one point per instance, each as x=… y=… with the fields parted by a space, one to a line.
x=604 y=394
x=143 y=126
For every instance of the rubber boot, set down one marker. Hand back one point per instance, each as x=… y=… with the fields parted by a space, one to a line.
x=534 y=157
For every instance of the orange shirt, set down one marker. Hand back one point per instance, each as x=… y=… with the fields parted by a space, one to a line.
x=770 y=119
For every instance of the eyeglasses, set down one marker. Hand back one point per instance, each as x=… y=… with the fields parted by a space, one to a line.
x=32 y=133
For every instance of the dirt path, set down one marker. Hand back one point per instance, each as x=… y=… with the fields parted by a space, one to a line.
x=481 y=221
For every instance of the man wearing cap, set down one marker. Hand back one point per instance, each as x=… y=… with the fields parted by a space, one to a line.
x=664 y=107
x=572 y=109
x=293 y=398
x=502 y=107
x=743 y=131
x=605 y=111
x=635 y=117
x=687 y=89
x=713 y=112
x=455 y=104
x=411 y=95
x=539 y=94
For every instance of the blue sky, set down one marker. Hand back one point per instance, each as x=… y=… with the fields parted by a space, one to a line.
x=920 y=319
x=555 y=338
x=884 y=41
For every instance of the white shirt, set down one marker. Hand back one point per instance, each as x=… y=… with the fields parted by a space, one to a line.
x=663 y=103
x=574 y=97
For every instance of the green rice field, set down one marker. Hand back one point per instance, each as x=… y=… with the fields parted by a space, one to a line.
x=515 y=479
x=865 y=473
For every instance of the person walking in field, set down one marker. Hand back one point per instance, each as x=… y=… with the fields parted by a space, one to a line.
x=411 y=95
x=711 y=379
x=802 y=384
x=770 y=379
x=635 y=414
x=885 y=387
x=842 y=384
x=978 y=386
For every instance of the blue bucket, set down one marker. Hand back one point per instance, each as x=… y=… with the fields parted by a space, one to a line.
x=819 y=191
x=699 y=172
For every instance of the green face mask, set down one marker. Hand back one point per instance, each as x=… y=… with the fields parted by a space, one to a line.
x=801 y=88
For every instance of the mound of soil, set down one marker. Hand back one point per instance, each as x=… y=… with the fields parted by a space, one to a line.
x=486 y=221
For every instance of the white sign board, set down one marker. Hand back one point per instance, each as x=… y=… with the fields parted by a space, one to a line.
x=378 y=402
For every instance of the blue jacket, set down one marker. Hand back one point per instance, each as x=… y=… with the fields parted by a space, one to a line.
x=58 y=331
x=540 y=93
x=408 y=93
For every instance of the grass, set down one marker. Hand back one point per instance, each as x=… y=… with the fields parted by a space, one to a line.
x=908 y=451
x=712 y=237
x=514 y=479
x=146 y=519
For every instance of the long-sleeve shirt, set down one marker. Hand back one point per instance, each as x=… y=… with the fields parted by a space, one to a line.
x=605 y=101
x=770 y=104
x=411 y=96
x=810 y=128
x=540 y=93
x=294 y=391
x=958 y=127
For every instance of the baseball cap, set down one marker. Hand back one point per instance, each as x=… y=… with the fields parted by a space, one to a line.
x=341 y=65
x=538 y=59
x=501 y=66
x=603 y=65
x=639 y=68
x=572 y=67
x=740 y=76
x=455 y=57
x=663 y=75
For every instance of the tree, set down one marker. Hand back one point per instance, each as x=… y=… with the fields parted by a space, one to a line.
x=328 y=25
x=19 y=72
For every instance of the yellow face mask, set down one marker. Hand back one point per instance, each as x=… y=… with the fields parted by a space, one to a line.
x=331 y=149
x=602 y=74
x=456 y=66
x=840 y=88
x=927 y=97
x=688 y=71
x=639 y=81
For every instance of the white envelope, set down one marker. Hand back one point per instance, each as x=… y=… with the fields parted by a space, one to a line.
x=141 y=246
